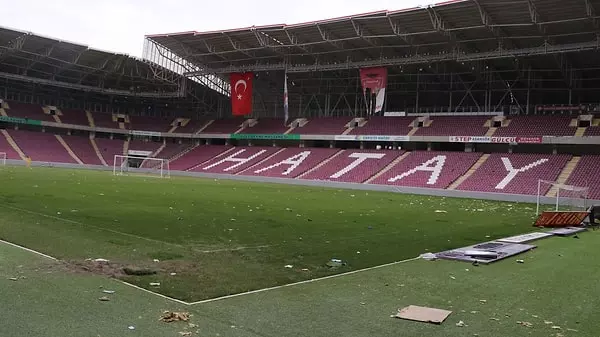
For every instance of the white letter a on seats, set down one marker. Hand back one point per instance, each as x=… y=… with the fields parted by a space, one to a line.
x=433 y=165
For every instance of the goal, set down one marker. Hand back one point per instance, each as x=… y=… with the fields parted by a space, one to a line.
x=2 y=158
x=565 y=197
x=133 y=165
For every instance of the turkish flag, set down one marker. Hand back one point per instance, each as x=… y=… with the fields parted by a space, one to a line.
x=241 y=93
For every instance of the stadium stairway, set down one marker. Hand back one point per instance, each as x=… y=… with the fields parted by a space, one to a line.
x=412 y=132
x=97 y=150
x=56 y=117
x=389 y=166
x=126 y=147
x=470 y=172
x=322 y=164
x=580 y=132
x=159 y=150
x=13 y=144
x=68 y=148
x=565 y=174
x=205 y=126
x=491 y=132
x=90 y=118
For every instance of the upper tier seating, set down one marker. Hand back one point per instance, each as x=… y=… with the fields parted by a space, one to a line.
x=385 y=126
x=192 y=126
x=592 y=131
x=291 y=162
x=515 y=173
x=41 y=146
x=146 y=123
x=430 y=169
x=31 y=111
x=267 y=126
x=354 y=166
x=105 y=120
x=537 y=126
x=455 y=126
x=75 y=117
x=324 y=126
x=226 y=126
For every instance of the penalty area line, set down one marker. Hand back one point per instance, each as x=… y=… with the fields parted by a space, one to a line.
x=303 y=282
x=28 y=250
x=152 y=292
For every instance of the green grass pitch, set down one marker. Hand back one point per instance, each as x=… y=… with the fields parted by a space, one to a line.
x=223 y=237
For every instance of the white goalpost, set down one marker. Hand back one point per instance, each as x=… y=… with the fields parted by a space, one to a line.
x=2 y=158
x=154 y=167
x=566 y=197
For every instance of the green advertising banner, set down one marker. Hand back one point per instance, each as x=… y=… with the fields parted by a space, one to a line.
x=20 y=120
x=264 y=136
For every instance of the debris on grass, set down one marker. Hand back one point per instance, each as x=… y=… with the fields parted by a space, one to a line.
x=108 y=291
x=520 y=261
x=156 y=260
x=474 y=311
x=13 y=279
x=173 y=316
x=173 y=274
x=423 y=314
x=556 y=327
x=548 y=322
x=440 y=211
x=155 y=284
x=131 y=327
x=289 y=266
x=452 y=277
x=104 y=299
x=494 y=319
x=428 y=256
x=572 y=330
x=483 y=301
x=460 y=324
x=185 y=333
x=101 y=260
x=138 y=271
x=525 y=324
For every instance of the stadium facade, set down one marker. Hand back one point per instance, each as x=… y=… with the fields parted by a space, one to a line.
x=480 y=95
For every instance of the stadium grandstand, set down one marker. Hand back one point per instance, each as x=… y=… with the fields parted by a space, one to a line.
x=474 y=92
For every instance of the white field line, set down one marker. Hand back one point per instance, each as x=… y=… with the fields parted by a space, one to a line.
x=234 y=295
x=303 y=282
x=153 y=293
x=28 y=250
x=235 y=249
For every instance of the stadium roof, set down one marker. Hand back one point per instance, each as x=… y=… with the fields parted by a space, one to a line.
x=27 y=57
x=461 y=30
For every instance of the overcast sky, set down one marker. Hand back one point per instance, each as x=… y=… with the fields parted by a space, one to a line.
x=120 y=25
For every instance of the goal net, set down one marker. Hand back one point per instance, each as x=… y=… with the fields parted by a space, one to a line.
x=128 y=165
x=566 y=198
x=2 y=158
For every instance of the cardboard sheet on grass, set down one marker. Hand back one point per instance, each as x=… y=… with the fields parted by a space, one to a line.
x=423 y=314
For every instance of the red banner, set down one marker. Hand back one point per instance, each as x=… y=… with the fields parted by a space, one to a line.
x=374 y=79
x=241 y=93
